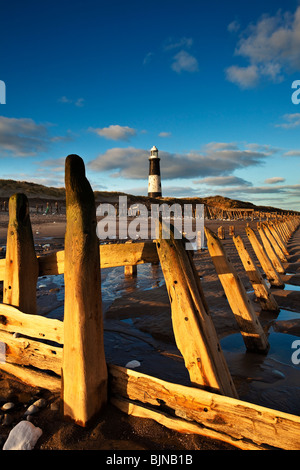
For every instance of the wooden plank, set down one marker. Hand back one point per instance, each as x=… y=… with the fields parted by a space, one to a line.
x=270 y=251
x=21 y=267
x=242 y=421
x=261 y=290
x=53 y=263
x=265 y=262
x=27 y=352
x=250 y=327
x=177 y=424
x=84 y=389
x=111 y=255
x=35 y=326
x=194 y=331
x=33 y=377
x=127 y=254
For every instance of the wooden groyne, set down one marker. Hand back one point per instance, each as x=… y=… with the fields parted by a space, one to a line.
x=68 y=356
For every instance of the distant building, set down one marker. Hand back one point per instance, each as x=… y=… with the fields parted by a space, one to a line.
x=154 y=183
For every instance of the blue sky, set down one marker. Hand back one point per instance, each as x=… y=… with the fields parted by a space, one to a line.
x=208 y=83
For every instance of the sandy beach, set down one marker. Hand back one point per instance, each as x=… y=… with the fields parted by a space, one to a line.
x=138 y=326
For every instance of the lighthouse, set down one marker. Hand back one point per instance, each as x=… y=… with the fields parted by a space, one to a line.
x=154 y=184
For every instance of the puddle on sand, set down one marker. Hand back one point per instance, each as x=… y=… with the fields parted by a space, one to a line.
x=271 y=380
x=287 y=315
x=113 y=285
x=291 y=287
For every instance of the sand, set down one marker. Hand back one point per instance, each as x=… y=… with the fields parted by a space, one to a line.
x=138 y=326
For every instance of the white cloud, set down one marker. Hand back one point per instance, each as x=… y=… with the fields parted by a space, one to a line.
x=164 y=134
x=272 y=47
x=216 y=159
x=234 y=26
x=184 y=42
x=223 y=181
x=293 y=120
x=275 y=180
x=245 y=77
x=292 y=153
x=23 y=137
x=148 y=58
x=64 y=99
x=184 y=62
x=79 y=102
x=115 y=132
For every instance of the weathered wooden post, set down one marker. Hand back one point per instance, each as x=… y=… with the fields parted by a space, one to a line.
x=266 y=264
x=278 y=238
x=270 y=252
x=194 y=330
x=253 y=335
x=279 y=229
x=261 y=290
x=21 y=267
x=221 y=233
x=274 y=243
x=84 y=374
x=130 y=271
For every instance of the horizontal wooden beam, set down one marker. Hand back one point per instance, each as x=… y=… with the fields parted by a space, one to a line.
x=233 y=420
x=111 y=255
x=178 y=424
x=35 y=326
x=33 y=377
x=28 y=352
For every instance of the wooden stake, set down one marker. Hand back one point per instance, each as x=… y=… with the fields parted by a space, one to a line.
x=21 y=266
x=274 y=243
x=130 y=271
x=271 y=273
x=278 y=238
x=279 y=228
x=84 y=385
x=270 y=252
x=251 y=330
x=194 y=331
x=221 y=233
x=261 y=290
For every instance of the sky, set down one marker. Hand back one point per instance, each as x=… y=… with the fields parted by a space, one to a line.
x=210 y=84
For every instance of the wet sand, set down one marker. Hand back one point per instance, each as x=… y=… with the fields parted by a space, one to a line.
x=138 y=326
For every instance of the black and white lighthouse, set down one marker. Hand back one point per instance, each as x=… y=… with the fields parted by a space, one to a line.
x=154 y=183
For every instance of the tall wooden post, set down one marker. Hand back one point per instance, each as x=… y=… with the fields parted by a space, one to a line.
x=84 y=375
x=271 y=273
x=21 y=268
x=221 y=233
x=261 y=290
x=253 y=335
x=194 y=330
